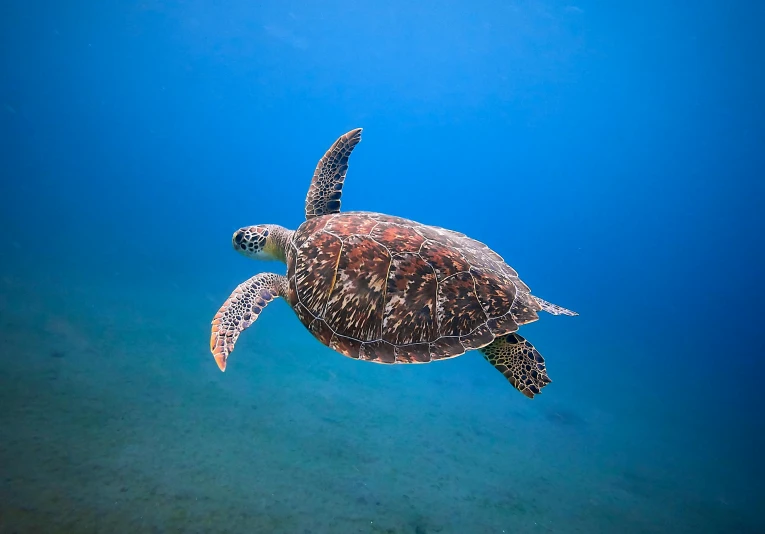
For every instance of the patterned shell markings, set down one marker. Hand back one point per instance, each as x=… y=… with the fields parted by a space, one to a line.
x=387 y=289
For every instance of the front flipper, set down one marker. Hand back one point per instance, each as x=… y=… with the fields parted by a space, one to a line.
x=519 y=361
x=327 y=184
x=240 y=310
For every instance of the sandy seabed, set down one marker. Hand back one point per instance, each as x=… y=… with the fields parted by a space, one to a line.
x=115 y=418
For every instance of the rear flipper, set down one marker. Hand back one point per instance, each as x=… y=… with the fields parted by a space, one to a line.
x=549 y=307
x=519 y=361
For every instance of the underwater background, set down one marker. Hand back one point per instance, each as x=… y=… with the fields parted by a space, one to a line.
x=611 y=152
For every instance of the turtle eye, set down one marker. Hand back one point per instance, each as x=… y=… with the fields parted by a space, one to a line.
x=238 y=238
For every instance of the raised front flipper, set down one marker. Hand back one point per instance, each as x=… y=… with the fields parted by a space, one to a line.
x=327 y=184
x=520 y=362
x=240 y=310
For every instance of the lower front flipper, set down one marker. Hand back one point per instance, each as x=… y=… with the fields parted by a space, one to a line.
x=240 y=310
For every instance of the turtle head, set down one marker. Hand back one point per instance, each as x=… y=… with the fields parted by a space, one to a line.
x=262 y=242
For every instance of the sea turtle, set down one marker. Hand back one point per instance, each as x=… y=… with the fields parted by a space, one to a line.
x=386 y=289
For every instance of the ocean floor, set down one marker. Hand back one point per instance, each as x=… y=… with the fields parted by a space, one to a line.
x=115 y=418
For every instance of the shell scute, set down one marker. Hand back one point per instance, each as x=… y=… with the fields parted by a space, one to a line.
x=524 y=310
x=355 y=306
x=445 y=261
x=345 y=225
x=410 y=308
x=345 y=346
x=386 y=219
x=414 y=353
x=303 y=314
x=481 y=337
x=446 y=347
x=397 y=238
x=495 y=296
x=314 y=265
x=459 y=311
x=502 y=325
x=308 y=229
x=321 y=331
x=442 y=235
x=377 y=351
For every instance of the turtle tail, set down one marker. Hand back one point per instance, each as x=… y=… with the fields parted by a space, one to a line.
x=554 y=309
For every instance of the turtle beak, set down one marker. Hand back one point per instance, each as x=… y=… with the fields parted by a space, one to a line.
x=236 y=239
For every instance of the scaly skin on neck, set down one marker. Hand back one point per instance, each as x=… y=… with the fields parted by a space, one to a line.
x=278 y=241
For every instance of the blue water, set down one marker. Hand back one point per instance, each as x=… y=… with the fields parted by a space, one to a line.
x=610 y=152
